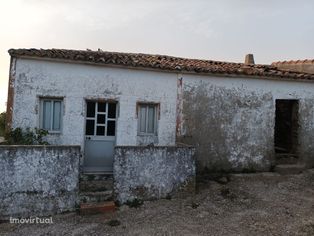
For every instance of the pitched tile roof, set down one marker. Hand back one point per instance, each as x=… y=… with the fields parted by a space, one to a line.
x=160 y=62
x=306 y=61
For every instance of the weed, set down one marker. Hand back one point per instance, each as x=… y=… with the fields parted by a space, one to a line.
x=113 y=223
x=19 y=136
x=134 y=203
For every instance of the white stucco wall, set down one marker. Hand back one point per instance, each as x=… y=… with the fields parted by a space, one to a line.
x=77 y=82
x=232 y=120
x=229 y=120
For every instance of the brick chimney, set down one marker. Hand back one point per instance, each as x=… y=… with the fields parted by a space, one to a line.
x=249 y=59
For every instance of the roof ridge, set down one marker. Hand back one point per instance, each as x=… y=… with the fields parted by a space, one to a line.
x=13 y=51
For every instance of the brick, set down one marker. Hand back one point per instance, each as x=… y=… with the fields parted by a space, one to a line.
x=97 y=208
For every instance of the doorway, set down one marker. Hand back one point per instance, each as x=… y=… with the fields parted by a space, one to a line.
x=286 y=126
x=100 y=136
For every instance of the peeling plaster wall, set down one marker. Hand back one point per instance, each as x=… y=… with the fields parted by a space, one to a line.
x=153 y=172
x=38 y=180
x=77 y=82
x=231 y=120
x=306 y=130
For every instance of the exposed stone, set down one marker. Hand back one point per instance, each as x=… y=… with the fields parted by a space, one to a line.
x=230 y=127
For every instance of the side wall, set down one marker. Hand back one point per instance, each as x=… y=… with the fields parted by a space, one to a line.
x=152 y=172
x=78 y=82
x=231 y=120
x=38 y=180
x=305 y=67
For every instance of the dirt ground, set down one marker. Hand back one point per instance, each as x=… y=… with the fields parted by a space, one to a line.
x=250 y=204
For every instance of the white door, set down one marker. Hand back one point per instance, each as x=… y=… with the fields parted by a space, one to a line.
x=100 y=131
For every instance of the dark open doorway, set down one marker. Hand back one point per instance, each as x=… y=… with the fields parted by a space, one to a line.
x=286 y=126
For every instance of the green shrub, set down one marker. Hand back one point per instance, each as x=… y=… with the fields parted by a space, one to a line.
x=19 y=136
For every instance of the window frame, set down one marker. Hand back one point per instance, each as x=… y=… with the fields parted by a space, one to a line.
x=41 y=120
x=156 y=118
x=107 y=120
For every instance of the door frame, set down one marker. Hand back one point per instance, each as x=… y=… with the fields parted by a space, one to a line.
x=95 y=137
x=294 y=129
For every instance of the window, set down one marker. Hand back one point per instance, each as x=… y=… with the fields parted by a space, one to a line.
x=100 y=118
x=147 y=119
x=51 y=112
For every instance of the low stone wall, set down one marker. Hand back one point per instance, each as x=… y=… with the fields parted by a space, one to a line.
x=38 y=180
x=148 y=173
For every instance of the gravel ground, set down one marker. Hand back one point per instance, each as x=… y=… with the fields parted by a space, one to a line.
x=250 y=204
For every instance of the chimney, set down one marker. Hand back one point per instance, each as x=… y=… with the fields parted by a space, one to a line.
x=249 y=59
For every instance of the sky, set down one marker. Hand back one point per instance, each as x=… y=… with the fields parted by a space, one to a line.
x=224 y=30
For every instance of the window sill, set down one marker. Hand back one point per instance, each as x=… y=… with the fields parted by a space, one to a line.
x=54 y=133
x=144 y=134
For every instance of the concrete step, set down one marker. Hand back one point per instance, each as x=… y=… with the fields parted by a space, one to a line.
x=96 y=175
x=97 y=208
x=289 y=169
x=282 y=159
x=96 y=197
x=96 y=185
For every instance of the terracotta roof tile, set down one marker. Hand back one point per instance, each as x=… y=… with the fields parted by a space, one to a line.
x=306 y=61
x=160 y=62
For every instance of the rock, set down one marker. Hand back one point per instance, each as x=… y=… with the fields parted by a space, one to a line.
x=222 y=180
x=203 y=214
x=123 y=208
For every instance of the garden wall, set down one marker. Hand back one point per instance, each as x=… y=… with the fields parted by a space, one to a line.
x=38 y=180
x=152 y=172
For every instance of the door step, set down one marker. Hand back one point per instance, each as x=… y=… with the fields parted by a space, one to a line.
x=283 y=159
x=96 y=188
x=97 y=208
x=96 y=185
x=96 y=176
x=96 y=197
x=291 y=169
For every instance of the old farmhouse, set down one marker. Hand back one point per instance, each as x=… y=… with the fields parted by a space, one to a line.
x=238 y=116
